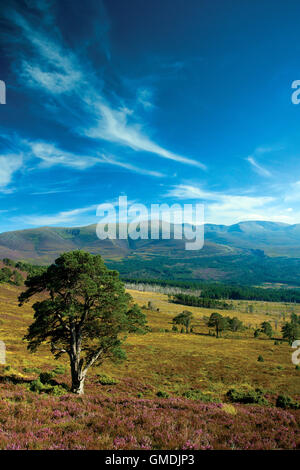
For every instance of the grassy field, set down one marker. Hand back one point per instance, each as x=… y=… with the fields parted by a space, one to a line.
x=163 y=368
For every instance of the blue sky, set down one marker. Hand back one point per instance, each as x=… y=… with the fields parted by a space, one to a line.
x=163 y=101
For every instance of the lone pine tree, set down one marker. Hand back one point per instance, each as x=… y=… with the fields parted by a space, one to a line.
x=86 y=313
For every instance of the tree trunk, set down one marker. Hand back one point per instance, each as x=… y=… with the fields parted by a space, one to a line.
x=78 y=383
x=78 y=378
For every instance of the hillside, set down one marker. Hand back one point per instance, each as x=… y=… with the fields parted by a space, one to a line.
x=248 y=252
x=170 y=393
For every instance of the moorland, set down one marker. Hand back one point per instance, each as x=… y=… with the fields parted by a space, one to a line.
x=175 y=390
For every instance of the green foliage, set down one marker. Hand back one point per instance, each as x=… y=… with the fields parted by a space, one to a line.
x=220 y=323
x=151 y=305
x=17 y=278
x=86 y=314
x=234 y=324
x=184 y=318
x=30 y=269
x=284 y=401
x=136 y=320
x=217 y=321
x=239 y=290
x=266 y=328
x=47 y=377
x=59 y=369
x=9 y=262
x=199 y=301
x=162 y=394
x=106 y=380
x=32 y=370
x=291 y=331
x=5 y=275
x=198 y=395
x=58 y=390
x=37 y=386
x=260 y=358
x=247 y=396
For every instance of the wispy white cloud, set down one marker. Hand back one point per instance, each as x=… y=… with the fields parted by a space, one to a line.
x=60 y=73
x=128 y=166
x=51 y=191
x=258 y=168
x=113 y=126
x=59 y=218
x=50 y=67
x=144 y=97
x=230 y=208
x=9 y=164
x=51 y=155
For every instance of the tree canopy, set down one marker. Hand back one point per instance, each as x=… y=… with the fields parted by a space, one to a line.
x=84 y=313
x=184 y=318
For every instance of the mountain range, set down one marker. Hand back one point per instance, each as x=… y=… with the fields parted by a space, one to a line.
x=263 y=251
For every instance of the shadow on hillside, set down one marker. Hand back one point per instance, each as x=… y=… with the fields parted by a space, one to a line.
x=12 y=379
x=203 y=334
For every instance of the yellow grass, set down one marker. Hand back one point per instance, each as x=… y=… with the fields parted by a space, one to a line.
x=170 y=361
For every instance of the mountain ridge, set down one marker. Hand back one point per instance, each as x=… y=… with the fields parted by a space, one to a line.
x=249 y=253
x=43 y=244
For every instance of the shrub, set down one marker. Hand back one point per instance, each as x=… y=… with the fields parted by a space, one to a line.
x=59 y=370
x=151 y=306
x=260 y=358
x=32 y=370
x=17 y=279
x=58 y=390
x=47 y=377
x=284 y=401
x=174 y=328
x=247 y=396
x=37 y=386
x=198 y=395
x=297 y=367
x=106 y=380
x=162 y=394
